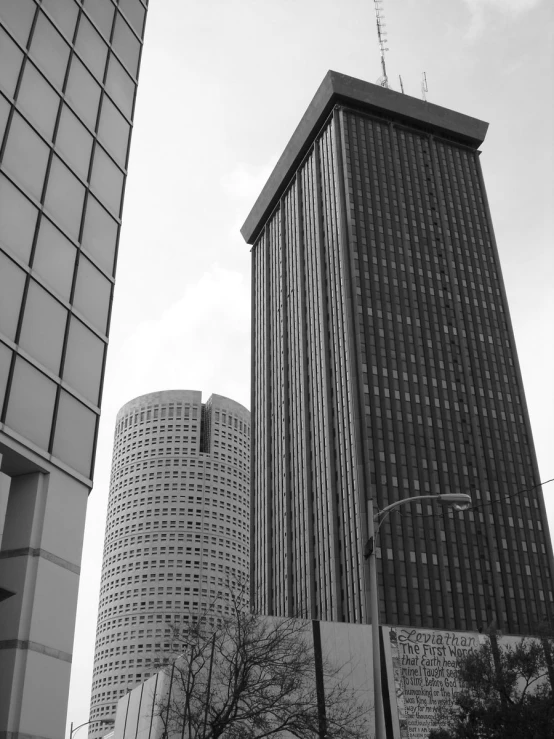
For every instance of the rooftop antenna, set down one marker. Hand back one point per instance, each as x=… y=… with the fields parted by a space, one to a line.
x=424 y=88
x=381 y=35
x=401 y=83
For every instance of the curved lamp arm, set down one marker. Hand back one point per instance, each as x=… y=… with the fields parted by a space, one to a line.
x=108 y=721
x=459 y=501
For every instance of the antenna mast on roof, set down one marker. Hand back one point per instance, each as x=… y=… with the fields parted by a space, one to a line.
x=424 y=88
x=381 y=35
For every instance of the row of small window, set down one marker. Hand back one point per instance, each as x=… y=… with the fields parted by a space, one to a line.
x=145 y=564
x=219 y=497
x=200 y=463
x=138 y=417
x=106 y=612
x=101 y=656
x=417 y=229
x=228 y=575
x=30 y=410
x=203 y=513
x=242 y=549
x=150 y=618
x=162 y=537
x=116 y=520
x=223 y=552
x=131 y=635
x=124 y=550
x=235 y=467
x=173 y=578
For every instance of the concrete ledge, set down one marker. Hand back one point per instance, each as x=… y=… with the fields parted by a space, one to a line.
x=29 y=552
x=35 y=647
x=19 y=735
x=339 y=88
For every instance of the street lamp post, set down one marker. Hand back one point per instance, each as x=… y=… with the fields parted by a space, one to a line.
x=460 y=501
x=107 y=721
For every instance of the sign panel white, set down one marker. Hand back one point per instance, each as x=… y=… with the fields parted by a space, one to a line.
x=421 y=673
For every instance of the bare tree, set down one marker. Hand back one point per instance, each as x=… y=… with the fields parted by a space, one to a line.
x=251 y=677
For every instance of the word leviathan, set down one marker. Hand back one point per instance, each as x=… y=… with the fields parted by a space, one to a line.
x=439 y=638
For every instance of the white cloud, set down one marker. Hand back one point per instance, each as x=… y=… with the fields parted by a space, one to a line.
x=479 y=9
x=247 y=182
x=200 y=342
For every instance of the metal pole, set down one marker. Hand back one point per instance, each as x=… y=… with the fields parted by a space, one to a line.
x=371 y=559
x=71 y=731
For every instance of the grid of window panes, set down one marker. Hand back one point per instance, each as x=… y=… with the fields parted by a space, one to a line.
x=445 y=408
x=382 y=343
x=177 y=532
x=68 y=76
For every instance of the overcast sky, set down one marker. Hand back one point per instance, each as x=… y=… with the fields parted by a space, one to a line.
x=223 y=85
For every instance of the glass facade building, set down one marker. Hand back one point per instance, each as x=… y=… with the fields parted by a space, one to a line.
x=384 y=367
x=68 y=78
x=177 y=532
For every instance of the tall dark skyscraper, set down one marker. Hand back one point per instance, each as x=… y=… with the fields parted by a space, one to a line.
x=385 y=367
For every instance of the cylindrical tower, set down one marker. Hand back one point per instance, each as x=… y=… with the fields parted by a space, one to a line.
x=177 y=531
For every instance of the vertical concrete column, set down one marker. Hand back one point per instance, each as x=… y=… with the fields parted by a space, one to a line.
x=37 y=623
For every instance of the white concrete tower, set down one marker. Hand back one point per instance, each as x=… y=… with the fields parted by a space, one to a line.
x=177 y=530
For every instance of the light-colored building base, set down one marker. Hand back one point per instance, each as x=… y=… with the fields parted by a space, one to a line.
x=42 y=512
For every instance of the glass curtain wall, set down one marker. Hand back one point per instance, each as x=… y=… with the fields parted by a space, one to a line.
x=68 y=78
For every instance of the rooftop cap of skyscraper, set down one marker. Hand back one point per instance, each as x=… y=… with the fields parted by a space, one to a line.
x=339 y=88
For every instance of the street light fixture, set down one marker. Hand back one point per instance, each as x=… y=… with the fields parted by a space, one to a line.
x=460 y=502
x=108 y=721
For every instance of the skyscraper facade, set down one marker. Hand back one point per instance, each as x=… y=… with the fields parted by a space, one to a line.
x=385 y=367
x=177 y=532
x=68 y=77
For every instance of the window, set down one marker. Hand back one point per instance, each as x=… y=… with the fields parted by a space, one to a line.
x=50 y=50
x=134 y=12
x=54 y=258
x=83 y=92
x=64 y=13
x=12 y=282
x=26 y=156
x=74 y=142
x=75 y=449
x=120 y=86
x=10 y=63
x=31 y=403
x=101 y=12
x=126 y=45
x=114 y=131
x=64 y=197
x=43 y=327
x=38 y=100
x=83 y=362
x=91 y=48
x=100 y=235
x=17 y=219
x=92 y=294
x=18 y=16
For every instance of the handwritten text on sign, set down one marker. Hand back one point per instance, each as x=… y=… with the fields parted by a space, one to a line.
x=424 y=666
